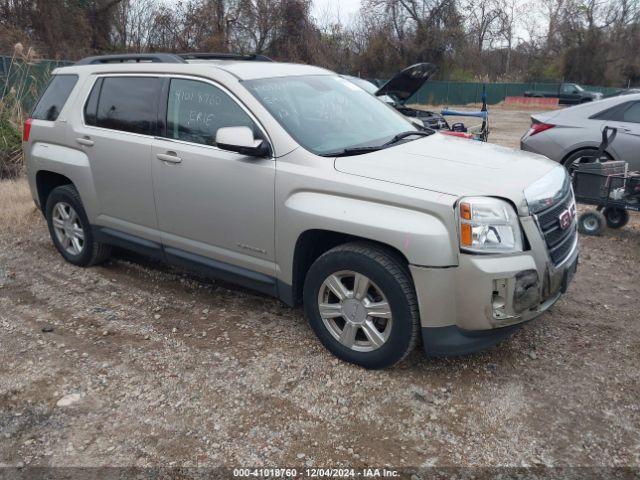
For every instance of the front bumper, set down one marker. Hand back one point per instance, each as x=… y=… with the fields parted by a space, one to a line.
x=477 y=303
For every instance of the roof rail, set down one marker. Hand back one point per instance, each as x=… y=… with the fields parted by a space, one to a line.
x=223 y=56
x=132 y=58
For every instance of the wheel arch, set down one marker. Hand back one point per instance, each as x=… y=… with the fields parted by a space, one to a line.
x=586 y=147
x=312 y=243
x=46 y=182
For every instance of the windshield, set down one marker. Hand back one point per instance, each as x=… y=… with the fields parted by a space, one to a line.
x=366 y=85
x=328 y=114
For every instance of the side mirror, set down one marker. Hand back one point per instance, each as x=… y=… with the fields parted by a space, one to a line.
x=240 y=140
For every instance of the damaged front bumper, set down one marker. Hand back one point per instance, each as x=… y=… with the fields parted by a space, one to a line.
x=479 y=302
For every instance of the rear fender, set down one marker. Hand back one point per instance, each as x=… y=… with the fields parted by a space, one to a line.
x=69 y=162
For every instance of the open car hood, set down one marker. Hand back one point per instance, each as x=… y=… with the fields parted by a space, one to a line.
x=407 y=82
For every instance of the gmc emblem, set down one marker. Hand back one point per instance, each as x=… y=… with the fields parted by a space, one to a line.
x=566 y=217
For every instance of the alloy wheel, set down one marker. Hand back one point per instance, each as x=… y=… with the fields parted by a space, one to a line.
x=68 y=229
x=355 y=311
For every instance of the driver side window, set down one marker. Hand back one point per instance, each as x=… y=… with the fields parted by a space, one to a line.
x=196 y=110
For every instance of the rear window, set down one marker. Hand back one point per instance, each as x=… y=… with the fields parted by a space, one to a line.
x=54 y=97
x=129 y=104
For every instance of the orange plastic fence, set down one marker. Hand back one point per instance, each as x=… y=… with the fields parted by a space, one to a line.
x=532 y=102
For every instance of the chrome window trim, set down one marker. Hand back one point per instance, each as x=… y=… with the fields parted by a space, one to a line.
x=171 y=76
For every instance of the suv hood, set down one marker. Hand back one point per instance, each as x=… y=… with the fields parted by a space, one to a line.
x=407 y=82
x=454 y=166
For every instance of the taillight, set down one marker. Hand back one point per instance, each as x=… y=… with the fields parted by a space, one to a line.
x=538 y=127
x=26 y=130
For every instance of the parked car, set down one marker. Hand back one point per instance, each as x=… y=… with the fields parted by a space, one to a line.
x=623 y=91
x=402 y=86
x=568 y=93
x=568 y=135
x=290 y=180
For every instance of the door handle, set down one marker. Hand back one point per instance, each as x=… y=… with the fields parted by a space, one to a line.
x=86 y=141
x=169 y=157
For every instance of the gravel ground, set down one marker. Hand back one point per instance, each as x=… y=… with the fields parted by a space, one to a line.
x=136 y=364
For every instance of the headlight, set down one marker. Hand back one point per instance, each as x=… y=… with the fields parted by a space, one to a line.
x=547 y=190
x=488 y=225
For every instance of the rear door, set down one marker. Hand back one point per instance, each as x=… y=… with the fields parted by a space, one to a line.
x=120 y=119
x=626 y=145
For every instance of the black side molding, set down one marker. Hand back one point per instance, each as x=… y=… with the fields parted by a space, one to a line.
x=207 y=267
x=120 y=239
x=222 y=271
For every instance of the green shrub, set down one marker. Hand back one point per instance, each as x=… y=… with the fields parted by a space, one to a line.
x=19 y=85
x=10 y=142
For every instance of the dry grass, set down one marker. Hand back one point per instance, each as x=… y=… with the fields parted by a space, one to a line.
x=17 y=210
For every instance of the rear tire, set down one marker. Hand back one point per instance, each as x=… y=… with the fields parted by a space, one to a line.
x=572 y=162
x=591 y=223
x=369 y=308
x=70 y=229
x=616 y=217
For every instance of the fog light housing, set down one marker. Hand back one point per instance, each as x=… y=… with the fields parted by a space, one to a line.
x=526 y=292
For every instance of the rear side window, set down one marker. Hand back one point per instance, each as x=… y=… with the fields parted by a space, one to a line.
x=196 y=110
x=54 y=97
x=129 y=104
x=612 y=113
x=632 y=114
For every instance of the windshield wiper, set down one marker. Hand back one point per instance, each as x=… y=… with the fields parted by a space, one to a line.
x=409 y=133
x=352 y=151
x=362 y=150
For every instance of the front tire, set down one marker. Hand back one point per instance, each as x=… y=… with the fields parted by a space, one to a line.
x=70 y=229
x=361 y=303
x=591 y=223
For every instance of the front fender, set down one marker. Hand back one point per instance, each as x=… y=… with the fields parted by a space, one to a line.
x=421 y=237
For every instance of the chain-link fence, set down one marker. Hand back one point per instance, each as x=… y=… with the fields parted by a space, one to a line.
x=462 y=93
x=26 y=79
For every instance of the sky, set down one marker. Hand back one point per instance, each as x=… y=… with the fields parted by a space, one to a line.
x=336 y=9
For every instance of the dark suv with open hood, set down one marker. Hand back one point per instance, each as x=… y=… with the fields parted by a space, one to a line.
x=402 y=86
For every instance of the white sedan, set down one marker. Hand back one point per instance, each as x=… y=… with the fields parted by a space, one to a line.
x=570 y=134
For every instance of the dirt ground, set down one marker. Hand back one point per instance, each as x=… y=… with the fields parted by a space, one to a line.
x=136 y=364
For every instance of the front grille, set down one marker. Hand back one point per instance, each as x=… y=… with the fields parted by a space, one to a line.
x=559 y=241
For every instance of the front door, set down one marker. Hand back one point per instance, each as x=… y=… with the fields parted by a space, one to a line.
x=215 y=207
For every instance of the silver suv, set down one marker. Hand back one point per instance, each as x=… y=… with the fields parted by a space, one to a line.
x=295 y=182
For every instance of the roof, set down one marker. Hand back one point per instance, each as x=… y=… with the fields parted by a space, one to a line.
x=241 y=69
x=253 y=70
